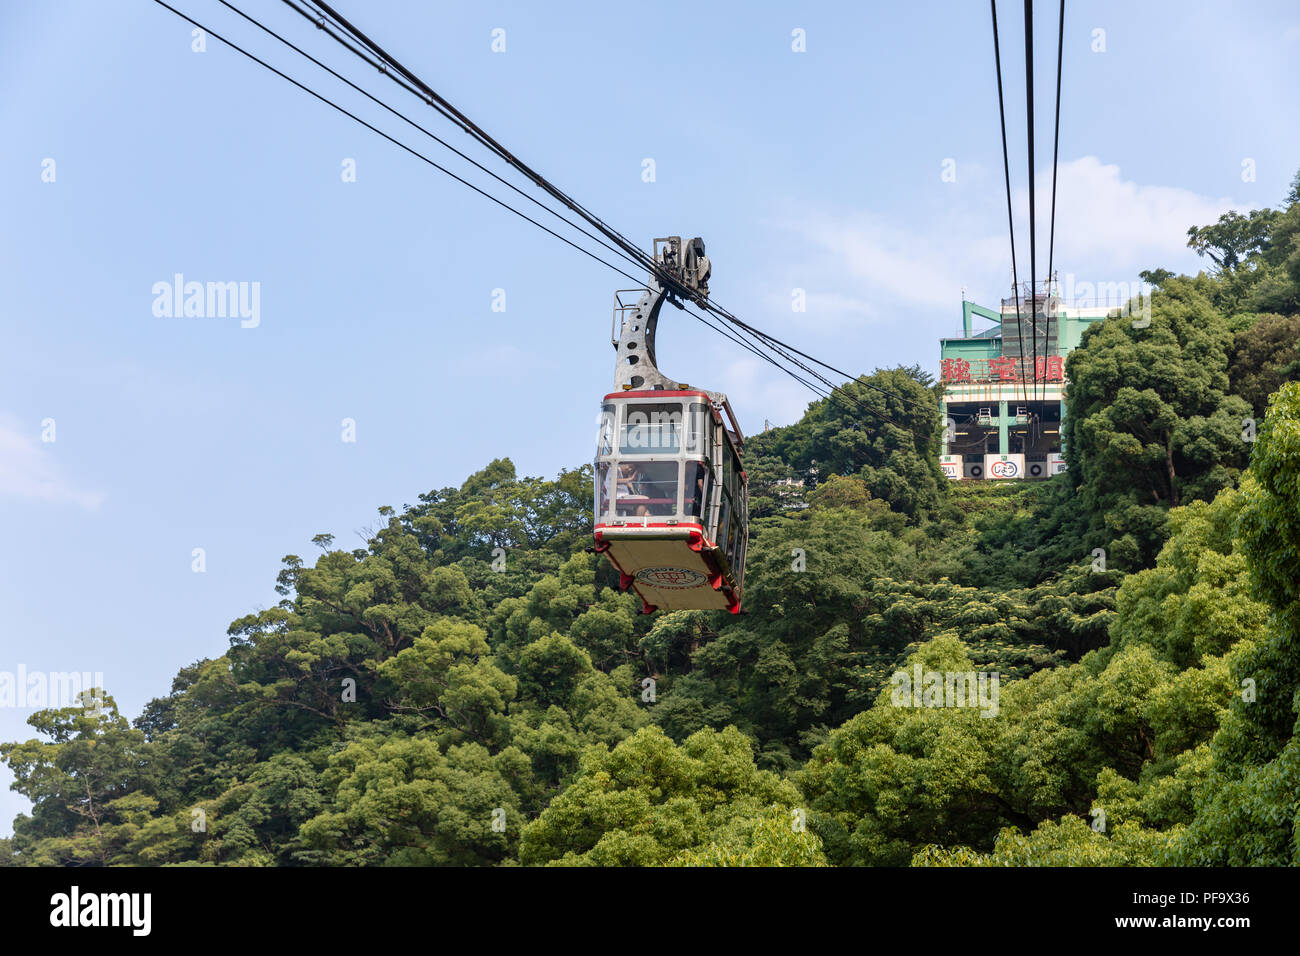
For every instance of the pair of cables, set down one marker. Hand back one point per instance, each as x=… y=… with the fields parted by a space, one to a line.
x=1006 y=166
x=573 y=214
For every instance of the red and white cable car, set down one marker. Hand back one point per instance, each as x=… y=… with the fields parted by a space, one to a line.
x=671 y=510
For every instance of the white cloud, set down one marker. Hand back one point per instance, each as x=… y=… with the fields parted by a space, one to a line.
x=1106 y=223
x=862 y=265
x=28 y=471
x=879 y=288
x=885 y=261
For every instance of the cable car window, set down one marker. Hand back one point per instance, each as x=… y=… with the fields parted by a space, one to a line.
x=696 y=488
x=605 y=432
x=724 y=512
x=733 y=474
x=652 y=429
x=697 y=429
x=646 y=488
x=604 y=485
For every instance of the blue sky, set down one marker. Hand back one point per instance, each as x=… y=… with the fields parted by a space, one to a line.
x=819 y=170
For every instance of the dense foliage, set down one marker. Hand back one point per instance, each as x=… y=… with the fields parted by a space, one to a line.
x=471 y=688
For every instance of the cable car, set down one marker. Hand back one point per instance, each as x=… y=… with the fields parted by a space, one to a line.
x=672 y=507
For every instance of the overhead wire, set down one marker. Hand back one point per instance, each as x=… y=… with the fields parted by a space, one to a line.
x=461 y=154
x=713 y=307
x=411 y=122
x=1056 y=152
x=762 y=338
x=431 y=96
x=1033 y=238
x=396 y=142
x=482 y=136
x=721 y=330
x=1011 y=223
x=828 y=391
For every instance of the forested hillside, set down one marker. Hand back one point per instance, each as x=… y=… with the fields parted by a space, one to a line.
x=470 y=687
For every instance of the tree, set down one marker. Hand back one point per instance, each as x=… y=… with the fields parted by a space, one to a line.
x=1234 y=238
x=89 y=785
x=402 y=801
x=471 y=687
x=1247 y=813
x=1150 y=422
x=650 y=802
x=1071 y=842
x=1156 y=277
x=773 y=837
x=1264 y=355
x=448 y=676
x=883 y=428
x=1257 y=258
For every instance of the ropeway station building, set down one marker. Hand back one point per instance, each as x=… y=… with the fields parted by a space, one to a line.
x=1004 y=385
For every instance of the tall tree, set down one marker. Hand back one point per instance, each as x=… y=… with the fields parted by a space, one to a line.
x=1149 y=419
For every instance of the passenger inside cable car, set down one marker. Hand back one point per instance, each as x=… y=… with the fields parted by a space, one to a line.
x=646 y=488
x=631 y=499
x=697 y=473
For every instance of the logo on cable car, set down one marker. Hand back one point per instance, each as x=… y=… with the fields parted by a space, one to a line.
x=1004 y=469
x=671 y=577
